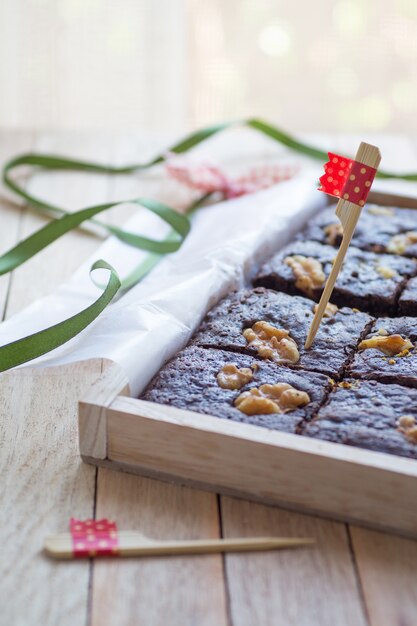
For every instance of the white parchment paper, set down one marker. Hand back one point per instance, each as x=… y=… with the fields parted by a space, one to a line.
x=156 y=318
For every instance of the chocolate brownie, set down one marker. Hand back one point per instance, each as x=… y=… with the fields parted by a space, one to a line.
x=389 y=353
x=370 y=415
x=379 y=229
x=335 y=342
x=407 y=304
x=368 y=281
x=190 y=382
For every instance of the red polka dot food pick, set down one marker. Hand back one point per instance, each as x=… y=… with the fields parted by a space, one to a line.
x=101 y=538
x=350 y=181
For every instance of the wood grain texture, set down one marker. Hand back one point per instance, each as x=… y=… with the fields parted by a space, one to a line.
x=174 y=590
x=283 y=588
x=387 y=567
x=180 y=590
x=43 y=480
x=92 y=420
x=300 y=473
x=43 y=483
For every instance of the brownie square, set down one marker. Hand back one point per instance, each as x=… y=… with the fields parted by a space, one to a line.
x=335 y=341
x=366 y=415
x=407 y=304
x=379 y=229
x=189 y=381
x=373 y=363
x=367 y=281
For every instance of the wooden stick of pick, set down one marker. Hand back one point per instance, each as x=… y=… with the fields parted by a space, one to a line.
x=132 y=543
x=348 y=214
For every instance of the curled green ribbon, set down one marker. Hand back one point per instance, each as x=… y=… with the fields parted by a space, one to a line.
x=33 y=346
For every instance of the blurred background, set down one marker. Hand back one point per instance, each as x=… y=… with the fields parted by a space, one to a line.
x=172 y=65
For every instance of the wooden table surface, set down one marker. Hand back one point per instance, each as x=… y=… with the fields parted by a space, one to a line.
x=352 y=577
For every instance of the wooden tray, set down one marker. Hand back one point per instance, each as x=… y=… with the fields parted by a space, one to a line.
x=299 y=473
x=333 y=480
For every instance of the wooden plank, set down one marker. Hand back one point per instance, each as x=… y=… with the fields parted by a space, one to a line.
x=314 y=585
x=180 y=591
x=320 y=477
x=44 y=481
x=43 y=484
x=387 y=566
x=187 y=590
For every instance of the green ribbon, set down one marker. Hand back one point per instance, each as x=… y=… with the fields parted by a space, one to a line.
x=39 y=343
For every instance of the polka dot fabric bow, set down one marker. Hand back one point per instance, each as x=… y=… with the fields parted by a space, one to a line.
x=347 y=179
x=94 y=537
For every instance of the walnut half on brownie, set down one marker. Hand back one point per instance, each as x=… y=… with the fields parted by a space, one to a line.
x=369 y=414
x=246 y=322
x=238 y=387
x=389 y=352
x=368 y=281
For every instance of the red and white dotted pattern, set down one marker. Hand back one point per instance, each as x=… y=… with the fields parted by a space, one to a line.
x=347 y=179
x=94 y=537
x=209 y=178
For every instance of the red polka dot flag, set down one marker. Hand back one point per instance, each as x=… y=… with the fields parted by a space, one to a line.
x=347 y=179
x=94 y=537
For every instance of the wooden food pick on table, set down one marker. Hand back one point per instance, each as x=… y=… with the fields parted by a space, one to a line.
x=350 y=181
x=96 y=538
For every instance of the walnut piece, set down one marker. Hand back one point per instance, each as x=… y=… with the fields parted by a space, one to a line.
x=386 y=272
x=399 y=243
x=230 y=377
x=407 y=426
x=389 y=345
x=333 y=233
x=272 y=343
x=381 y=210
x=308 y=273
x=278 y=398
x=329 y=311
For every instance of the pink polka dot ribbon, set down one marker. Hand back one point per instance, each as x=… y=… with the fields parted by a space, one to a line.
x=347 y=179
x=94 y=538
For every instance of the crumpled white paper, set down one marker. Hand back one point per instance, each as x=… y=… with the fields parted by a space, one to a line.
x=156 y=318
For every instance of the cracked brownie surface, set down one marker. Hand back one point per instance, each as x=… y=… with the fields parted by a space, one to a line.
x=335 y=342
x=407 y=304
x=389 y=352
x=379 y=229
x=189 y=381
x=367 y=281
x=368 y=414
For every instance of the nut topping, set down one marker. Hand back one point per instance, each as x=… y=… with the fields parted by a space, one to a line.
x=271 y=343
x=333 y=233
x=386 y=272
x=230 y=377
x=329 y=311
x=407 y=426
x=278 y=398
x=389 y=345
x=308 y=272
x=381 y=210
x=399 y=243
